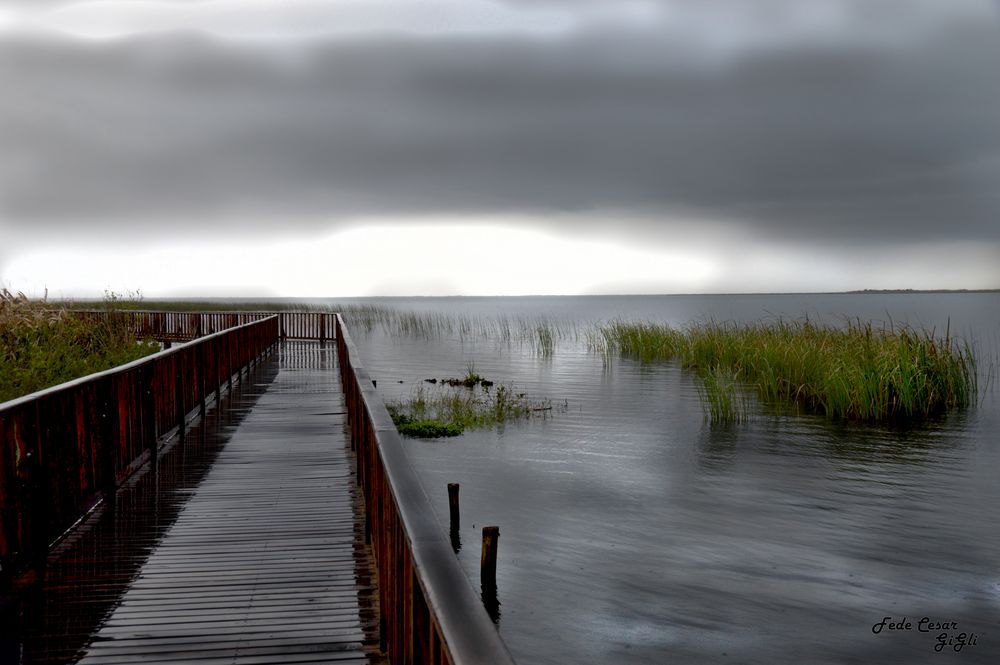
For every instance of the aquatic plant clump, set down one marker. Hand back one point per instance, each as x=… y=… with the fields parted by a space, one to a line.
x=426 y=428
x=42 y=347
x=857 y=372
x=447 y=411
x=470 y=380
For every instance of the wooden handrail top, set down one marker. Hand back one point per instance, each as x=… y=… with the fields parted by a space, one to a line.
x=265 y=312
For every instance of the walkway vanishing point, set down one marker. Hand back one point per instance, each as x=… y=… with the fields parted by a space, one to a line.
x=240 y=498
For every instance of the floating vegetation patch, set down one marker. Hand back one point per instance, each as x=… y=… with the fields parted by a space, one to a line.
x=857 y=372
x=445 y=410
x=470 y=380
x=42 y=347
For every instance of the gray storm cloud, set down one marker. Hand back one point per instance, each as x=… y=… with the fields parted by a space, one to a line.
x=838 y=121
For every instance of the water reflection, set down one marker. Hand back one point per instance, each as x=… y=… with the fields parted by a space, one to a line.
x=719 y=444
x=927 y=443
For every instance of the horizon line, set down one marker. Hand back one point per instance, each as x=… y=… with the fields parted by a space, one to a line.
x=266 y=298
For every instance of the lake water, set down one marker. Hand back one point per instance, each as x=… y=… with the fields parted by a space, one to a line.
x=634 y=531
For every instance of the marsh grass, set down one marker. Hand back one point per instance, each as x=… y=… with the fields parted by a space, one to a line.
x=446 y=411
x=724 y=397
x=856 y=372
x=544 y=340
x=42 y=347
x=541 y=334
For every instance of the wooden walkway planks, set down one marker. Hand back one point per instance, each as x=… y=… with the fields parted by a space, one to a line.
x=246 y=546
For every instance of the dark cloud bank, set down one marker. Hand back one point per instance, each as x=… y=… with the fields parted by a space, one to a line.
x=843 y=141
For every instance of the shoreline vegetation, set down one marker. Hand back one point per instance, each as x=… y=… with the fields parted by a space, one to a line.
x=540 y=334
x=852 y=372
x=42 y=346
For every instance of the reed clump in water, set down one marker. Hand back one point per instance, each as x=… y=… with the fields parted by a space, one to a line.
x=857 y=372
x=447 y=411
x=42 y=347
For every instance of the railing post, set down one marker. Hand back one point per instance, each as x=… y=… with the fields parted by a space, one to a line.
x=179 y=401
x=218 y=370
x=202 y=383
x=149 y=429
x=107 y=441
x=34 y=491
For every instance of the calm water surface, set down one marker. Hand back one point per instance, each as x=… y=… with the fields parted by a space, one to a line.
x=633 y=531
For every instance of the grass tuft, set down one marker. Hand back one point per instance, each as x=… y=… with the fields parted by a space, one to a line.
x=444 y=411
x=724 y=397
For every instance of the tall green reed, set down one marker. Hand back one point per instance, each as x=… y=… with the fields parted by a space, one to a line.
x=856 y=372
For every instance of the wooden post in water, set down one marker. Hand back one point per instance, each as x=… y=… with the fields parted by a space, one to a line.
x=488 y=572
x=453 y=506
x=488 y=564
x=453 y=531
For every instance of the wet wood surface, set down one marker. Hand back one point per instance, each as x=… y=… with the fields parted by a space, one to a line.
x=244 y=546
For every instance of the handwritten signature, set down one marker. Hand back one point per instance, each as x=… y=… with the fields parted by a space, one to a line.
x=944 y=637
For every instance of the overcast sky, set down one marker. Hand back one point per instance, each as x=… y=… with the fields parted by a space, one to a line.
x=423 y=147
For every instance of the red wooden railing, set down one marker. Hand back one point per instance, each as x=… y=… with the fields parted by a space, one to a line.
x=429 y=611
x=66 y=448
x=185 y=326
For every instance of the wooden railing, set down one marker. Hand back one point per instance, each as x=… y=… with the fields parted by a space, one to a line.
x=185 y=326
x=429 y=611
x=65 y=449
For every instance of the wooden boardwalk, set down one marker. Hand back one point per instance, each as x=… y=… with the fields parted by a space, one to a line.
x=245 y=546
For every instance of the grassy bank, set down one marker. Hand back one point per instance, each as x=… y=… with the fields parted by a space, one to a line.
x=857 y=372
x=42 y=347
